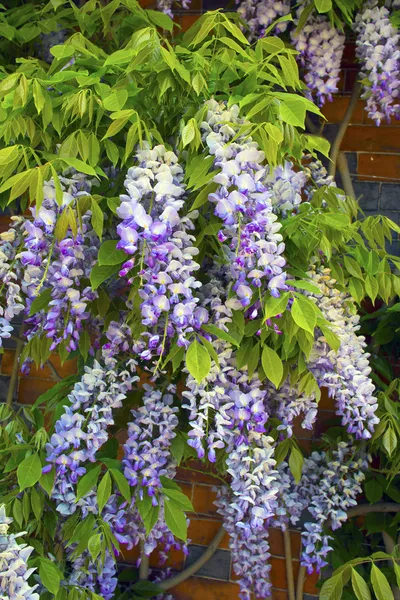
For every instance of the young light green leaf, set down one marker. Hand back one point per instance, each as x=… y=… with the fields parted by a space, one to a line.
x=97 y=219
x=380 y=584
x=41 y=302
x=296 y=460
x=303 y=314
x=360 y=587
x=332 y=588
x=94 y=545
x=198 y=361
x=275 y=306
x=390 y=441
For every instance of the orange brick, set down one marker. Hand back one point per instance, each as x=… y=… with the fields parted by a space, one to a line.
x=201 y=589
x=379 y=165
x=279 y=595
x=203 y=531
x=68 y=368
x=203 y=500
x=30 y=389
x=175 y=560
x=187 y=21
x=4 y=223
x=371 y=139
x=335 y=111
x=326 y=403
x=277 y=545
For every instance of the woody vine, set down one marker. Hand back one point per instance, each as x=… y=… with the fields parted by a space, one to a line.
x=174 y=230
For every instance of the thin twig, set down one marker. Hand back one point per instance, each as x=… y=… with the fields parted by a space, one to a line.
x=53 y=371
x=15 y=369
x=193 y=568
x=335 y=148
x=300 y=583
x=289 y=565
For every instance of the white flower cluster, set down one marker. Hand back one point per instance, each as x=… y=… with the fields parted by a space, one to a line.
x=14 y=572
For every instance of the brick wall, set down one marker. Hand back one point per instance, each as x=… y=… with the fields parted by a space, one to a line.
x=374 y=159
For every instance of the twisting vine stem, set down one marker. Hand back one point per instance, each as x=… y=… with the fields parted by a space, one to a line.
x=289 y=565
x=335 y=149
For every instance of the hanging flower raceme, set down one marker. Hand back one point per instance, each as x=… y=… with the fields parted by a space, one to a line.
x=317 y=176
x=165 y=6
x=285 y=186
x=345 y=372
x=260 y=14
x=320 y=48
x=227 y=411
x=82 y=428
x=328 y=488
x=147 y=458
x=288 y=404
x=12 y=304
x=14 y=571
x=250 y=232
x=162 y=249
x=378 y=50
x=59 y=265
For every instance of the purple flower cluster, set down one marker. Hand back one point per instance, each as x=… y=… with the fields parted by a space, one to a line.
x=87 y=574
x=260 y=14
x=147 y=458
x=156 y=236
x=336 y=492
x=165 y=6
x=345 y=372
x=378 y=50
x=289 y=404
x=10 y=275
x=285 y=186
x=60 y=266
x=247 y=511
x=147 y=450
x=14 y=572
x=82 y=428
x=320 y=48
x=250 y=233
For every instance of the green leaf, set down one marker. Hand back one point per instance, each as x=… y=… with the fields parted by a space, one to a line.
x=397 y=572
x=353 y=267
x=88 y=482
x=323 y=6
x=371 y=287
x=304 y=285
x=175 y=520
x=252 y=363
x=303 y=314
x=148 y=512
x=360 y=587
x=356 y=289
x=122 y=484
x=272 y=365
x=116 y=100
x=41 y=302
x=390 y=441
x=296 y=460
x=101 y=273
x=380 y=584
x=94 y=545
x=50 y=575
x=221 y=334
x=61 y=51
x=84 y=344
x=97 y=218
x=177 y=448
x=210 y=349
x=373 y=490
x=293 y=110
x=179 y=499
x=29 y=471
x=109 y=255
x=198 y=361
x=188 y=133
x=47 y=482
x=275 y=306
x=79 y=165
x=37 y=501
x=331 y=338
x=104 y=491
x=332 y=589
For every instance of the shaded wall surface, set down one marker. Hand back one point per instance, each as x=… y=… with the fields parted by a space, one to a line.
x=374 y=159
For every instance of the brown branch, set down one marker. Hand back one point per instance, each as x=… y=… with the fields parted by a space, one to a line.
x=289 y=565
x=53 y=371
x=343 y=168
x=335 y=148
x=144 y=563
x=192 y=569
